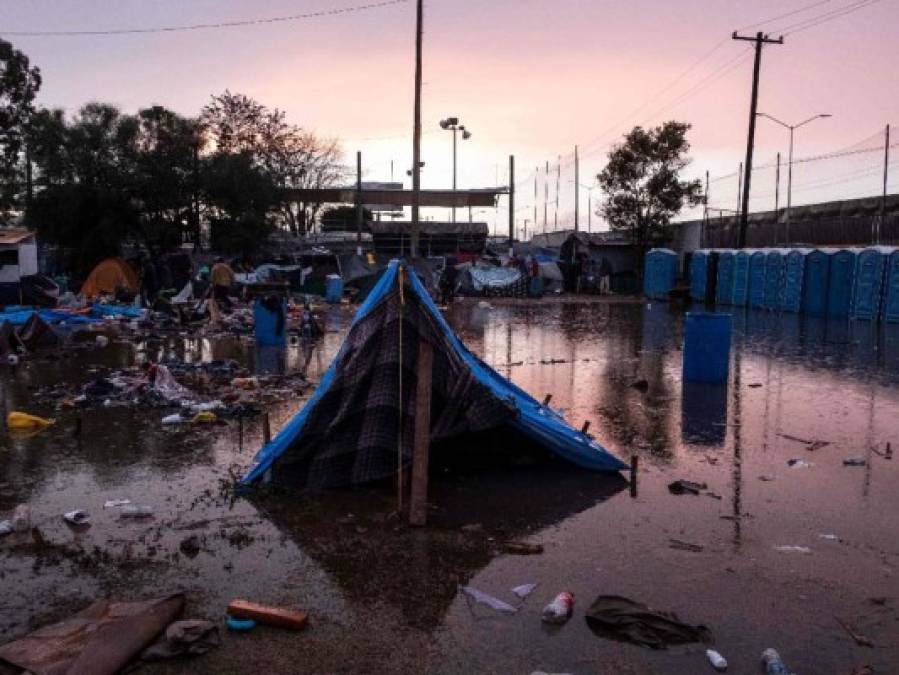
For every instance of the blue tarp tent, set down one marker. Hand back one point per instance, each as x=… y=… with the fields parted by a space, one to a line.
x=660 y=273
x=842 y=277
x=757 y=268
x=891 y=289
x=724 y=290
x=815 y=281
x=794 y=276
x=774 y=279
x=868 y=285
x=741 y=277
x=350 y=429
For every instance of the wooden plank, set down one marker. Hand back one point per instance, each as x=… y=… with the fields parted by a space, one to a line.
x=418 y=504
x=271 y=616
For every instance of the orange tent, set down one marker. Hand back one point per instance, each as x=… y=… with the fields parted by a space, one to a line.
x=109 y=275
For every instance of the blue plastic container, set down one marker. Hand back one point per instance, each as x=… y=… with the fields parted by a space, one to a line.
x=699 y=275
x=270 y=329
x=815 y=282
x=774 y=279
x=891 y=290
x=660 y=273
x=724 y=290
x=794 y=276
x=706 y=347
x=842 y=277
x=757 y=279
x=333 y=289
x=741 y=277
x=868 y=286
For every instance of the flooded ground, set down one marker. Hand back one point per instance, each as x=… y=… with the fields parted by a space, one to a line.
x=383 y=597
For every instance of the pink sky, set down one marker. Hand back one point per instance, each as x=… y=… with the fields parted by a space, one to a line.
x=530 y=78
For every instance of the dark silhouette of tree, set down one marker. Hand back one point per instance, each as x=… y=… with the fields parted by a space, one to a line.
x=19 y=83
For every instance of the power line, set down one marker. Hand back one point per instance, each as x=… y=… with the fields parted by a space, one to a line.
x=208 y=26
x=828 y=16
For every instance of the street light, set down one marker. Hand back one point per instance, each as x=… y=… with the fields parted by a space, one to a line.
x=452 y=124
x=792 y=128
x=589 y=189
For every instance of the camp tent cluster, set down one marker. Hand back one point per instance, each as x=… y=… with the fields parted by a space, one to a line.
x=359 y=423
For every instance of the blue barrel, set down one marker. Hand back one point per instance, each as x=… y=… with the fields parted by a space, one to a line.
x=868 y=287
x=757 y=279
x=660 y=273
x=774 y=279
x=842 y=277
x=741 y=277
x=815 y=281
x=724 y=291
x=794 y=276
x=891 y=290
x=333 y=289
x=699 y=274
x=270 y=325
x=706 y=347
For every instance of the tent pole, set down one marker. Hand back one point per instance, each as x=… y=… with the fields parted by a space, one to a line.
x=399 y=444
x=418 y=501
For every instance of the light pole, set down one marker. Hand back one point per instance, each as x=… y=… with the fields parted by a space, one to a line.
x=792 y=128
x=452 y=124
x=589 y=189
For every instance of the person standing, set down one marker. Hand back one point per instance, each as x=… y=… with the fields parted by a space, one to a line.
x=221 y=276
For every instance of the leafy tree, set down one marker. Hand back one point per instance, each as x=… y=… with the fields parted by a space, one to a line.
x=342 y=218
x=19 y=83
x=642 y=183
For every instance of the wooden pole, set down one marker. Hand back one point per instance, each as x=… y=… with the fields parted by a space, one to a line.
x=418 y=502
x=266 y=429
x=635 y=459
x=416 y=134
x=359 y=211
x=511 y=205
x=577 y=187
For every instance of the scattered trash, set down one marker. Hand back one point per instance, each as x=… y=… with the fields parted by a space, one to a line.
x=21 y=518
x=24 y=421
x=773 y=663
x=798 y=463
x=271 y=616
x=560 y=609
x=854 y=633
x=77 y=517
x=623 y=619
x=793 y=549
x=685 y=546
x=486 y=599
x=718 y=662
x=5 y=527
x=829 y=537
x=190 y=637
x=240 y=625
x=812 y=445
x=102 y=340
x=137 y=511
x=854 y=461
x=682 y=487
x=754 y=385
x=524 y=590
x=190 y=546
x=12 y=359
x=767 y=477
x=483 y=304
x=113 y=503
x=204 y=417
x=640 y=385
x=247 y=383
x=886 y=454
x=172 y=419
x=522 y=548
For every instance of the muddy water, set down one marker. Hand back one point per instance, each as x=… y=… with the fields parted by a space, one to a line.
x=383 y=597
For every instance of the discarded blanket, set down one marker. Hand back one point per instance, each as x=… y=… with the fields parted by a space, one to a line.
x=98 y=640
x=184 y=638
x=622 y=619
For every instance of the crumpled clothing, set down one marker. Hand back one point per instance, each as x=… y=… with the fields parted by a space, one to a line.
x=622 y=619
x=184 y=638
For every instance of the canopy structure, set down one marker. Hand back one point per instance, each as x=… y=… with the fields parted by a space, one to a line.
x=109 y=275
x=483 y=197
x=359 y=423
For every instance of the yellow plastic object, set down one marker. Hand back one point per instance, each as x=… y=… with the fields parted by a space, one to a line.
x=26 y=422
x=204 y=417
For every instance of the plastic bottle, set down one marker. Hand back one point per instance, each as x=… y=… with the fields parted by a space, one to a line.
x=137 y=511
x=718 y=662
x=559 y=610
x=21 y=518
x=773 y=664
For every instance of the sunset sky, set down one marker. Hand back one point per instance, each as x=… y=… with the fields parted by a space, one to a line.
x=530 y=78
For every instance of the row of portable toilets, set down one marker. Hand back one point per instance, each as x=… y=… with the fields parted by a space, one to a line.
x=859 y=283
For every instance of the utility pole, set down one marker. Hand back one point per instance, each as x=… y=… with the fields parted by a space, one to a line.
x=759 y=40
x=545 y=194
x=416 y=133
x=558 y=179
x=739 y=187
x=705 y=209
x=886 y=176
x=577 y=185
x=536 y=176
x=777 y=198
x=359 y=213
x=511 y=204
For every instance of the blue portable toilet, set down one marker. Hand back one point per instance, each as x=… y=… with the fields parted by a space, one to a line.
x=794 y=276
x=660 y=273
x=814 y=282
x=699 y=273
x=839 y=287
x=891 y=289
x=774 y=279
x=757 y=278
x=270 y=321
x=867 y=289
x=741 y=277
x=333 y=289
x=724 y=290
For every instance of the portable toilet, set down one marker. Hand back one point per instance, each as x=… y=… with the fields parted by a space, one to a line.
x=699 y=272
x=757 y=278
x=840 y=282
x=794 y=276
x=891 y=289
x=814 y=282
x=868 y=286
x=774 y=279
x=741 y=277
x=660 y=273
x=724 y=288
